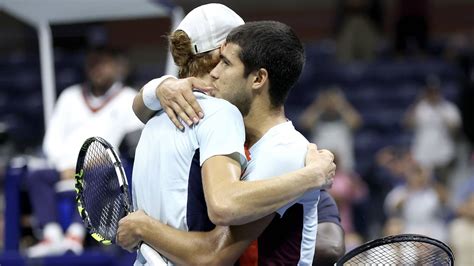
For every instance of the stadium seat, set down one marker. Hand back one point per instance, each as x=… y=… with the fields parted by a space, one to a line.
x=14 y=183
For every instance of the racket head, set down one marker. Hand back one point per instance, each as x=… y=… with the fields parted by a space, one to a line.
x=102 y=193
x=404 y=249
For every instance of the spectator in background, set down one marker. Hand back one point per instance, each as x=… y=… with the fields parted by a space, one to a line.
x=435 y=121
x=97 y=107
x=411 y=29
x=417 y=206
x=386 y=172
x=394 y=161
x=358 y=29
x=461 y=229
x=332 y=120
x=347 y=190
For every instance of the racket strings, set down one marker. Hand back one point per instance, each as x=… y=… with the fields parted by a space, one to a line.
x=104 y=200
x=402 y=253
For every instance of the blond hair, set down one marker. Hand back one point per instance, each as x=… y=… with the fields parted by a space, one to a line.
x=190 y=65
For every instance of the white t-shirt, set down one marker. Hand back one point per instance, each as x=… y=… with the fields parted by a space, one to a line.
x=433 y=144
x=425 y=220
x=164 y=174
x=337 y=137
x=78 y=116
x=166 y=181
x=282 y=150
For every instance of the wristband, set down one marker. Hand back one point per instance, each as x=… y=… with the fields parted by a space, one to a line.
x=149 y=93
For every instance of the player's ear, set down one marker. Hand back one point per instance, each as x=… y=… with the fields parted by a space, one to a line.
x=260 y=78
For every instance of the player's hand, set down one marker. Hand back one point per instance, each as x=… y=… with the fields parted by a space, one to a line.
x=129 y=234
x=321 y=166
x=178 y=101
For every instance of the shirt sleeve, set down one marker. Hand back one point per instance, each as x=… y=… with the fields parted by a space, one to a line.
x=327 y=209
x=222 y=133
x=309 y=198
x=283 y=159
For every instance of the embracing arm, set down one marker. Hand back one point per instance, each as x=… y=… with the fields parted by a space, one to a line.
x=221 y=246
x=175 y=98
x=139 y=108
x=330 y=244
x=233 y=202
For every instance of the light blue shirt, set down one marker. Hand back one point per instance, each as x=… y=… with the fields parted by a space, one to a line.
x=282 y=150
x=162 y=167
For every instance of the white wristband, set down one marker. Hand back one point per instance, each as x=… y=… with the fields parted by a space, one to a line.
x=149 y=93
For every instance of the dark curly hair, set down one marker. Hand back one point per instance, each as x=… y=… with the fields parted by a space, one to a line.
x=274 y=46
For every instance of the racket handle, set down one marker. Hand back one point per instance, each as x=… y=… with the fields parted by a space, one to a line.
x=151 y=256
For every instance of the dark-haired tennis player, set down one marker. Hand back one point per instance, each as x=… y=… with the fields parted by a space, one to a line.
x=275 y=147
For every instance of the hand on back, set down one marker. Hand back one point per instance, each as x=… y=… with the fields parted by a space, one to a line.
x=178 y=101
x=321 y=166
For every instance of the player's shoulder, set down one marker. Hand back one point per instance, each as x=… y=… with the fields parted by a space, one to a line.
x=212 y=105
x=283 y=146
x=286 y=138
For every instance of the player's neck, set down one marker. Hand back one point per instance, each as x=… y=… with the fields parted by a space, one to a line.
x=261 y=119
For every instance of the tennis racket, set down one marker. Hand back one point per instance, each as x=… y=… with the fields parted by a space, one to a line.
x=102 y=194
x=405 y=249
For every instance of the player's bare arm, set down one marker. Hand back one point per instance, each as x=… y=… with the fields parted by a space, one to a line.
x=221 y=246
x=330 y=244
x=177 y=100
x=141 y=111
x=233 y=202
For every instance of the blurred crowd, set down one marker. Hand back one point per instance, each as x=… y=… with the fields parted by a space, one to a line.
x=421 y=188
x=424 y=186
